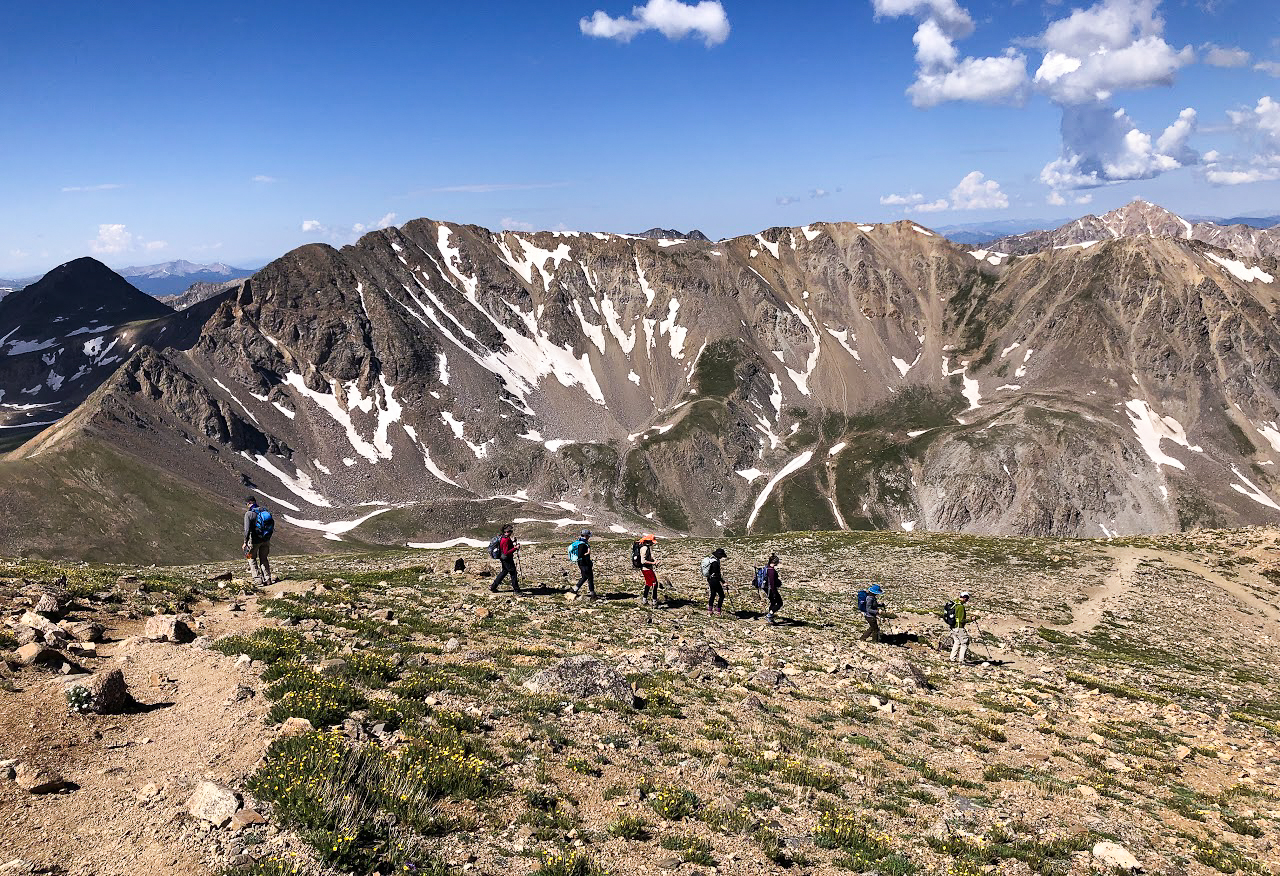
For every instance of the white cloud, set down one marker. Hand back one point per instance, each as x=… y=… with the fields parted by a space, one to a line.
x=819 y=193
x=901 y=200
x=510 y=224
x=263 y=178
x=1272 y=67
x=991 y=80
x=343 y=234
x=671 y=18
x=786 y=200
x=1220 y=56
x=1102 y=145
x=101 y=187
x=1258 y=130
x=976 y=192
x=934 y=207
x=950 y=16
x=1055 y=199
x=112 y=239
x=154 y=245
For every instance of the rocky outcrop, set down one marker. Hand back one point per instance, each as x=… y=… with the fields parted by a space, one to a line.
x=582 y=677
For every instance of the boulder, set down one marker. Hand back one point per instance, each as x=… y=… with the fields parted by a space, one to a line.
x=168 y=628
x=39 y=623
x=24 y=635
x=110 y=693
x=48 y=605
x=582 y=677
x=901 y=672
x=38 y=780
x=83 y=631
x=213 y=803
x=700 y=654
x=295 y=727
x=1115 y=856
x=35 y=654
x=771 y=678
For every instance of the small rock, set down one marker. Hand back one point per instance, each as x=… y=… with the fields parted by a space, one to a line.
x=1112 y=855
x=213 y=804
x=246 y=818
x=37 y=780
x=243 y=661
x=84 y=631
x=451 y=646
x=110 y=693
x=147 y=793
x=1087 y=791
x=168 y=628
x=1182 y=752
x=701 y=654
x=295 y=727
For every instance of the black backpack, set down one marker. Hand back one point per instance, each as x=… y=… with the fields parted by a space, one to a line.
x=263 y=525
x=635 y=556
x=949 y=614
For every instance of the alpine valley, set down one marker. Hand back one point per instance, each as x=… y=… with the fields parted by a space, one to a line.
x=433 y=379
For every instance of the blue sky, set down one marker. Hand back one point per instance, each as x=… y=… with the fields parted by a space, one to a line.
x=144 y=132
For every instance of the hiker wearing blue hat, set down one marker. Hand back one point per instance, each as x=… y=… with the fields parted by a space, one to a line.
x=871 y=611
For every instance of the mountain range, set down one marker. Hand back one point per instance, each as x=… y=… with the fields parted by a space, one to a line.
x=167 y=279
x=432 y=380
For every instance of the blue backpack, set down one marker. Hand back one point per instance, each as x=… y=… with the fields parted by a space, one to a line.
x=575 y=549
x=862 y=601
x=263 y=525
x=762 y=577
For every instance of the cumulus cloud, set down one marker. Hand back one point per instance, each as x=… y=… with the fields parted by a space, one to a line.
x=1272 y=67
x=510 y=224
x=1258 y=130
x=942 y=75
x=1102 y=145
x=671 y=18
x=1220 y=56
x=976 y=192
x=932 y=207
x=901 y=200
x=115 y=238
x=100 y=187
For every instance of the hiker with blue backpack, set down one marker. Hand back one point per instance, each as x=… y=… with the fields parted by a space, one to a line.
x=259 y=526
x=869 y=605
x=580 y=553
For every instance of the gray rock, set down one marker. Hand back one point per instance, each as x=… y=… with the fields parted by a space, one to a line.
x=84 y=631
x=700 y=654
x=168 y=628
x=110 y=693
x=213 y=804
x=771 y=678
x=24 y=635
x=49 y=606
x=582 y=677
x=39 y=623
x=451 y=646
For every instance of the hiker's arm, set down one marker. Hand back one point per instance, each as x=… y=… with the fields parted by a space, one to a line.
x=248 y=522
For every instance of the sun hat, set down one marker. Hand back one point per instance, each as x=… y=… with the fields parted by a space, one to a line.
x=719 y=554
x=876 y=589
x=964 y=595
x=586 y=533
x=648 y=538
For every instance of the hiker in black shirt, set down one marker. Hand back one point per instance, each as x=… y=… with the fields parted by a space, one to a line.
x=715 y=582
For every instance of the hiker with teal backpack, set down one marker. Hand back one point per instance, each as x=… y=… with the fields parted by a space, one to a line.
x=259 y=526
x=580 y=553
x=715 y=580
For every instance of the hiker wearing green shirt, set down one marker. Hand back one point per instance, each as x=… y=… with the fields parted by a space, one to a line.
x=959 y=635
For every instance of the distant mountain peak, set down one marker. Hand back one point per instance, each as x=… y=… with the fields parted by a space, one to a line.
x=671 y=234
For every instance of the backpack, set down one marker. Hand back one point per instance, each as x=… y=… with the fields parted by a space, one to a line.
x=762 y=577
x=263 y=525
x=707 y=563
x=635 y=556
x=949 y=614
x=495 y=547
x=862 y=600
x=575 y=550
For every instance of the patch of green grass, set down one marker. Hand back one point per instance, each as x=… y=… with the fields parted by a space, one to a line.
x=1113 y=688
x=692 y=849
x=674 y=804
x=630 y=827
x=572 y=862
x=268 y=645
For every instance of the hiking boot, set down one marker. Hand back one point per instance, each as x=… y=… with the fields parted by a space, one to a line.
x=493 y=588
x=517 y=591
x=719 y=610
x=577 y=589
x=711 y=611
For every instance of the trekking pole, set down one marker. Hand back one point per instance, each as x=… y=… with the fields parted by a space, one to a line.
x=982 y=635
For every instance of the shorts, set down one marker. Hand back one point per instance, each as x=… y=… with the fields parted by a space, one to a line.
x=650 y=579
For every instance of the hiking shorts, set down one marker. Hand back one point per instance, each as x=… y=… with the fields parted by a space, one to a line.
x=650 y=579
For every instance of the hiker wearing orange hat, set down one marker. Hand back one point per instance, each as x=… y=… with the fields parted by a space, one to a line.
x=647 y=562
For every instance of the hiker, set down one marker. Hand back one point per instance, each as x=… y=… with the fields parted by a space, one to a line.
x=258 y=529
x=959 y=635
x=715 y=581
x=647 y=562
x=580 y=553
x=772 y=583
x=507 y=547
x=872 y=612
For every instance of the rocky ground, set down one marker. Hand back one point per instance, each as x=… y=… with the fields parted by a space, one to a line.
x=380 y=713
